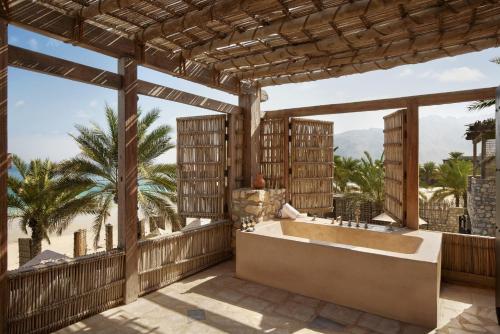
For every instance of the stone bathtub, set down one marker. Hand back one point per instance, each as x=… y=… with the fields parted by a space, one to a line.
x=395 y=274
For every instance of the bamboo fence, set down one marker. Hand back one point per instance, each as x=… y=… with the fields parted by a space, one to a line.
x=274 y=152
x=165 y=260
x=468 y=259
x=45 y=298
x=201 y=165
x=393 y=152
x=311 y=160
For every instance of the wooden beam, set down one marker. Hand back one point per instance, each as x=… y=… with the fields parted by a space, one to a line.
x=27 y=14
x=411 y=134
x=4 y=169
x=497 y=216
x=314 y=52
x=170 y=94
x=249 y=101
x=127 y=176
x=383 y=104
x=101 y=7
x=336 y=14
x=200 y=18
x=41 y=63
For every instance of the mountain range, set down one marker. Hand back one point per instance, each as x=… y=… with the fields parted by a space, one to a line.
x=438 y=136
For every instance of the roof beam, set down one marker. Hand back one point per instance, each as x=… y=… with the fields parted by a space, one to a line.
x=170 y=94
x=451 y=12
x=41 y=63
x=384 y=63
x=44 y=20
x=101 y=7
x=194 y=18
x=61 y=68
x=335 y=14
x=395 y=48
x=383 y=104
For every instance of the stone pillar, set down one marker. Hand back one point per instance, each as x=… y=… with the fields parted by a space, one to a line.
x=481 y=205
x=25 y=252
x=80 y=243
x=109 y=237
x=260 y=204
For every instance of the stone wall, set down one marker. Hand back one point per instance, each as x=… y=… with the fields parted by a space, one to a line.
x=481 y=205
x=441 y=216
x=260 y=204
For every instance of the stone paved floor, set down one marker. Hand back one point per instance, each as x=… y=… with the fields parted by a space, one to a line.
x=214 y=301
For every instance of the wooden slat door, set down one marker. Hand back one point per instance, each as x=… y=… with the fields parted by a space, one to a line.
x=311 y=160
x=274 y=152
x=394 y=165
x=201 y=164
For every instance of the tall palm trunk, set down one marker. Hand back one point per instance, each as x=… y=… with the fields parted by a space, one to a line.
x=36 y=238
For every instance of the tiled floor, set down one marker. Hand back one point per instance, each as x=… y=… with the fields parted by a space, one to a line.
x=214 y=301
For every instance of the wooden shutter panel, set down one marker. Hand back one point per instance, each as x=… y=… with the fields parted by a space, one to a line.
x=394 y=169
x=201 y=164
x=274 y=152
x=312 y=166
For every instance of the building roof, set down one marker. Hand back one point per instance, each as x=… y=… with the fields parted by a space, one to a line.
x=219 y=43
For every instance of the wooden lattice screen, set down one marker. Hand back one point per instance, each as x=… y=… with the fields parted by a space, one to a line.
x=201 y=164
x=394 y=168
x=311 y=161
x=274 y=152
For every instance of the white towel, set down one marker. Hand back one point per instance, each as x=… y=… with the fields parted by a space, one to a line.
x=288 y=211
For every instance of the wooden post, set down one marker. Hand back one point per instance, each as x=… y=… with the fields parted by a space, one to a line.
x=497 y=218
x=109 y=237
x=249 y=101
x=231 y=162
x=474 y=157
x=80 y=243
x=286 y=159
x=127 y=175
x=4 y=166
x=411 y=170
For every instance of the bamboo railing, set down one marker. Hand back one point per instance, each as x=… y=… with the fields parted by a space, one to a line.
x=468 y=259
x=165 y=260
x=43 y=299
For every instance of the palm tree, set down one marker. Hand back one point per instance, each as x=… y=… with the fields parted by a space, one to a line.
x=98 y=161
x=483 y=104
x=428 y=173
x=369 y=176
x=344 y=170
x=456 y=155
x=39 y=198
x=453 y=179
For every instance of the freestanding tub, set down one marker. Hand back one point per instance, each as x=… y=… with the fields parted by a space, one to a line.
x=395 y=274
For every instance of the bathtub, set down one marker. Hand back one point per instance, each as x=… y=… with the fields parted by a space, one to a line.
x=395 y=274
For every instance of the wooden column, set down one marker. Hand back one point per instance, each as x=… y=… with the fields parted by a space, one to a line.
x=474 y=157
x=127 y=175
x=249 y=101
x=497 y=218
x=411 y=164
x=231 y=162
x=4 y=165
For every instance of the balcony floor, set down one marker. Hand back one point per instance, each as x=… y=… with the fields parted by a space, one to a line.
x=214 y=301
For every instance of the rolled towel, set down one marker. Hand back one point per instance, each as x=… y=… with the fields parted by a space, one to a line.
x=288 y=211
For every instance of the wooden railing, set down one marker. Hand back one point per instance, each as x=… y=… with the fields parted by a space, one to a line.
x=165 y=260
x=43 y=299
x=468 y=259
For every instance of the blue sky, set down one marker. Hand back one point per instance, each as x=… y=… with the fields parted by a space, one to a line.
x=44 y=109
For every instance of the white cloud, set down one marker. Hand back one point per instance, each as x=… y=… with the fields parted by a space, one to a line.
x=33 y=43
x=19 y=103
x=93 y=103
x=460 y=74
x=406 y=72
x=53 y=43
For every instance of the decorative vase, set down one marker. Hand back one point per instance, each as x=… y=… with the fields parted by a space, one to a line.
x=259 y=182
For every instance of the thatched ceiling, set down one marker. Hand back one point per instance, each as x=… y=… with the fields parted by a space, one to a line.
x=269 y=41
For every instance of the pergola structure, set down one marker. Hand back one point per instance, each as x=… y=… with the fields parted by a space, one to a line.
x=239 y=46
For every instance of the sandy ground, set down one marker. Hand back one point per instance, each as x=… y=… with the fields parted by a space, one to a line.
x=63 y=243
